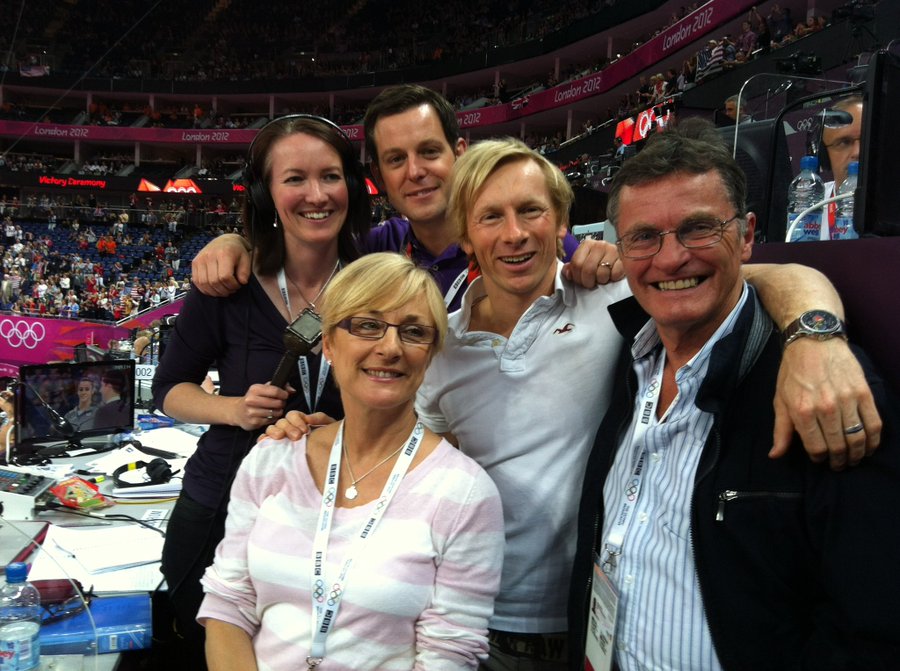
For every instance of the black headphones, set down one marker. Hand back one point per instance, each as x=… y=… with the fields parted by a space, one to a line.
x=262 y=205
x=822 y=150
x=158 y=470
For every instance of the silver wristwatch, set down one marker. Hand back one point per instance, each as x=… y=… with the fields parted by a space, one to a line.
x=818 y=324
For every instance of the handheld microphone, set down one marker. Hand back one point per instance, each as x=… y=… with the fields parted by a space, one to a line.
x=60 y=423
x=301 y=337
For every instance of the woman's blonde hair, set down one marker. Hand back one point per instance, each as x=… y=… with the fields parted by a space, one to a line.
x=382 y=282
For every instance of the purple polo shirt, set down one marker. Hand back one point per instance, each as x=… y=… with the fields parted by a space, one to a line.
x=396 y=235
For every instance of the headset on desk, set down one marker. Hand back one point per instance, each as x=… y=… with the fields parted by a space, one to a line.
x=158 y=470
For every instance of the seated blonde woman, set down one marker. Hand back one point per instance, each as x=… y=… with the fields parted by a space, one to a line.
x=371 y=543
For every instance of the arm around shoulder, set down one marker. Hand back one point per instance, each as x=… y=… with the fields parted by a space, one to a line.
x=822 y=391
x=222 y=266
x=787 y=290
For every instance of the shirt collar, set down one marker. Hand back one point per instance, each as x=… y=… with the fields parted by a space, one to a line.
x=476 y=291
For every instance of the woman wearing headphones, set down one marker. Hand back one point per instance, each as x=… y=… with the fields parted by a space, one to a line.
x=306 y=206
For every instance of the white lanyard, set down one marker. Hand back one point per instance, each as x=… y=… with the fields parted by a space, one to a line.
x=616 y=537
x=282 y=287
x=324 y=367
x=455 y=287
x=326 y=601
x=303 y=364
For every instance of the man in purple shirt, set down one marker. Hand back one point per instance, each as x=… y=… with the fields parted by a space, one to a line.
x=413 y=138
x=413 y=141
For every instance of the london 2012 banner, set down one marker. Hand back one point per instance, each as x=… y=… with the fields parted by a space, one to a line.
x=685 y=34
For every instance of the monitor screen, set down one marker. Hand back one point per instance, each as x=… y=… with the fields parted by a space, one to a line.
x=877 y=202
x=625 y=130
x=761 y=152
x=653 y=120
x=65 y=402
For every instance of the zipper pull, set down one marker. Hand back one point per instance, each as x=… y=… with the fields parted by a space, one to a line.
x=724 y=497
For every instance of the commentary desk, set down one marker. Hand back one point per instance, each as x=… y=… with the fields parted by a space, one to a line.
x=155 y=509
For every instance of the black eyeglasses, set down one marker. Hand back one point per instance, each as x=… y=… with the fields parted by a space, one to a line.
x=693 y=234
x=374 y=329
x=843 y=144
x=59 y=599
x=68 y=608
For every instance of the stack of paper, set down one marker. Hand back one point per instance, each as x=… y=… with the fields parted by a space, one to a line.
x=143 y=491
x=109 y=559
x=100 y=549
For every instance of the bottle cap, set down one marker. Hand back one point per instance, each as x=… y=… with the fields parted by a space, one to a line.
x=853 y=168
x=16 y=572
x=809 y=163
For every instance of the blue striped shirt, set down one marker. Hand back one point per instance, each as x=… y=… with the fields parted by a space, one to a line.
x=661 y=623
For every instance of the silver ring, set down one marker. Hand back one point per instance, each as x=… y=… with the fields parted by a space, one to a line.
x=270 y=415
x=856 y=428
x=608 y=266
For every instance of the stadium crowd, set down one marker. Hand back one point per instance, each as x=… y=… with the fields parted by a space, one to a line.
x=95 y=227
x=92 y=263
x=245 y=59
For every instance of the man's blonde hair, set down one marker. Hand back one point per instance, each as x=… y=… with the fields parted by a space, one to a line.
x=481 y=161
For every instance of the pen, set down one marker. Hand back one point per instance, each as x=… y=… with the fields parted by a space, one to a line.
x=65 y=552
x=86 y=524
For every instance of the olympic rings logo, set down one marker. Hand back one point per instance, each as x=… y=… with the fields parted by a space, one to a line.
x=335 y=594
x=22 y=333
x=632 y=490
x=319 y=591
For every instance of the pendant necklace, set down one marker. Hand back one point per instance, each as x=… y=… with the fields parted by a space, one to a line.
x=312 y=303
x=352 y=492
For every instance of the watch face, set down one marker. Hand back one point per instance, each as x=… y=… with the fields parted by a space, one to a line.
x=820 y=321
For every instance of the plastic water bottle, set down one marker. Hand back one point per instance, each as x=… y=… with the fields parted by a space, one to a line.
x=20 y=621
x=843 y=217
x=806 y=189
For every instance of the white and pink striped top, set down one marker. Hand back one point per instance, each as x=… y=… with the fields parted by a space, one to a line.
x=419 y=598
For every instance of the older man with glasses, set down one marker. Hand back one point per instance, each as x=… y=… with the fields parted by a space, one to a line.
x=842 y=141
x=695 y=549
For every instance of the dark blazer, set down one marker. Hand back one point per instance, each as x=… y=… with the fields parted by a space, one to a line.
x=798 y=570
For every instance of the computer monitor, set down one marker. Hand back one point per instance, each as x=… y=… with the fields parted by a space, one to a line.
x=761 y=152
x=60 y=404
x=877 y=199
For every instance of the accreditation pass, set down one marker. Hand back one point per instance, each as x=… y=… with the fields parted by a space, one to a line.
x=601 y=631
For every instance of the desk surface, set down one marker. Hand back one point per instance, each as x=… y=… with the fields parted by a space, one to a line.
x=135 y=508
x=79 y=663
